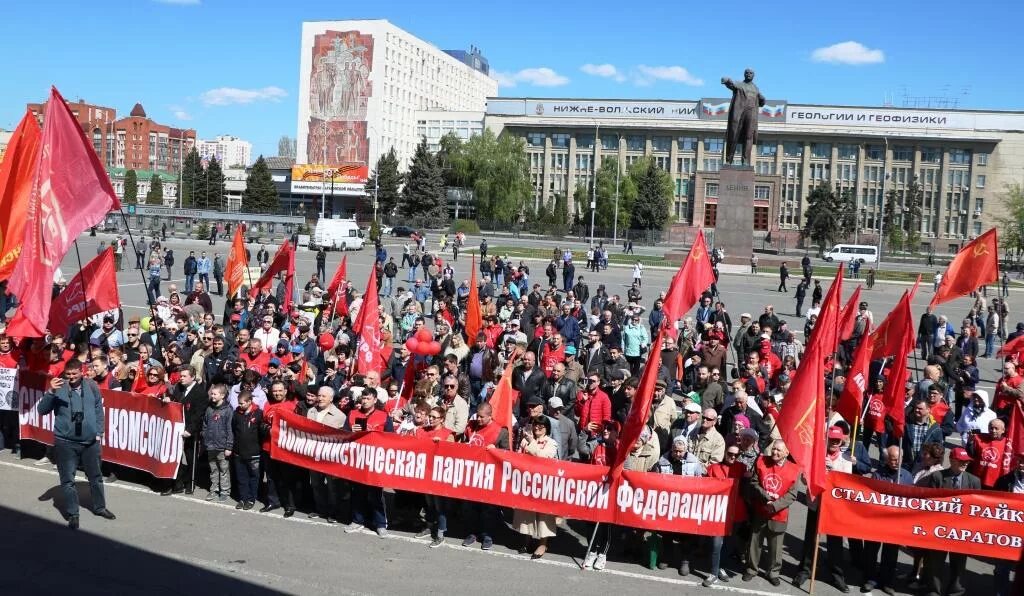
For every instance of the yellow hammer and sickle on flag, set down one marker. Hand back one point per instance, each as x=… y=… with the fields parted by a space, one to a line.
x=697 y=252
x=805 y=433
x=980 y=249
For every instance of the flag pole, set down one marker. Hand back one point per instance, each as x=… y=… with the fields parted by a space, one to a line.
x=817 y=547
x=85 y=285
x=142 y=272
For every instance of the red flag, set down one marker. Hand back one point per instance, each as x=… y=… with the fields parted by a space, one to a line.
x=1015 y=430
x=409 y=380
x=284 y=261
x=694 y=276
x=826 y=329
x=640 y=410
x=139 y=384
x=70 y=194
x=849 y=315
x=802 y=420
x=17 y=171
x=238 y=264
x=976 y=264
x=1012 y=347
x=504 y=396
x=367 y=325
x=92 y=291
x=474 y=320
x=851 y=402
x=339 y=276
x=901 y=327
x=896 y=332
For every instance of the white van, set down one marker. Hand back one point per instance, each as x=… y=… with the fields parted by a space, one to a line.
x=338 y=234
x=848 y=253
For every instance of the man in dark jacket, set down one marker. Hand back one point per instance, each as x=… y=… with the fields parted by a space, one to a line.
x=191 y=394
x=954 y=477
x=191 y=268
x=78 y=426
x=529 y=380
x=926 y=332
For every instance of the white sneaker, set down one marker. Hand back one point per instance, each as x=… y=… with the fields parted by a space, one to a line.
x=42 y=462
x=382 y=532
x=588 y=561
x=600 y=562
x=353 y=528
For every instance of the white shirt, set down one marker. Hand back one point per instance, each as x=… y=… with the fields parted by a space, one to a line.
x=268 y=337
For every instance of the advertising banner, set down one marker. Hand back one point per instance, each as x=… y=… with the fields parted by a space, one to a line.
x=506 y=479
x=980 y=524
x=141 y=431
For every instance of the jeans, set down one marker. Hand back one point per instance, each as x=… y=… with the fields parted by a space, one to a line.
x=154 y=288
x=247 y=472
x=389 y=283
x=321 y=271
x=272 y=499
x=326 y=494
x=482 y=519
x=69 y=455
x=190 y=280
x=436 y=517
x=220 y=283
x=990 y=342
x=411 y=275
x=205 y=278
x=220 y=473
x=718 y=547
x=368 y=500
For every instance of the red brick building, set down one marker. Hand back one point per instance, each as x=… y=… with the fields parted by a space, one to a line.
x=96 y=121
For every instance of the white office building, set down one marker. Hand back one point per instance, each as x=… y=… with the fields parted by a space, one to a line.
x=362 y=85
x=230 y=151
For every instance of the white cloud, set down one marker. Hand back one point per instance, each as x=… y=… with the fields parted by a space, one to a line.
x=645 y=75
x=608 y=71
x=223 y=96
x=180 y=113
x=178 y=2
x=848 y=52
x=538 y=77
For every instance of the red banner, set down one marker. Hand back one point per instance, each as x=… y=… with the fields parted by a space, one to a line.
x=980 y=524
x=141 y=431
x=507 y=479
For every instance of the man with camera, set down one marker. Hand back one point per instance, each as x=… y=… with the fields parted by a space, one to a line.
x=78 y=434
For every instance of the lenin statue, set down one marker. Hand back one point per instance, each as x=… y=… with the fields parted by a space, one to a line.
x=743 y=111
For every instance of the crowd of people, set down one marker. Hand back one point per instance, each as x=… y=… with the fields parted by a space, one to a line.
x=577 y=358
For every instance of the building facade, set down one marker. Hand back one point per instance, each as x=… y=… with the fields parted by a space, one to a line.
x=230 y=151
x=432 y=125
x=96 y=121
x=961 y=159
x=361 y=85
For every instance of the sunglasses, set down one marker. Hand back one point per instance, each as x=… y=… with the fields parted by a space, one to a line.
x=732 y=453
x=710 y=419
x=451 y=386
x=432 y=417
x=133 y=335
x=594 y=380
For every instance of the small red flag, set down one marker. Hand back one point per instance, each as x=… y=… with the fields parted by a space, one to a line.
x=339 y=276
x=284 y=261
x=896 y=332
x=92 y=291
x=851 y=402
x=504 y=396
x=802 y=420
x=849 y=315
x=826 y=329
x=367 y=325
x=17 y=172
x=902 y=327
x=1012 y=347
x=693 y=277
x=976 y=265
x=238 y=264
x=139 y=384
x=70 y=194
x=640 y=410
x=474 y=320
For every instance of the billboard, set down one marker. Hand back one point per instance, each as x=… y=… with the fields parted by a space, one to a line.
x=345 y=179
x=593 y=108
x=717 y=108
x=336 y=89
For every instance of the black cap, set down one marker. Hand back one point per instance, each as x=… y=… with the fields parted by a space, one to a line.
x=535 y=400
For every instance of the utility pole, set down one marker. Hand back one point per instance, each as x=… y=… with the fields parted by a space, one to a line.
x=881 y=210
x=593 y=199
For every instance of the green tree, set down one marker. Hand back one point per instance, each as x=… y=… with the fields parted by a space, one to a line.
x=846 y=212
x=892 y=219
x=496 y=169
x=155 y=196
x=653 y=196
x=385 y=182
x=424 y=194
x=191 y=170
x=286 y=146
x=912 y=199
x=260 y=194
x=822 y=225
x=131 y=187
x=214 y=185
x=1011 y=223
x=607 y=177
x=451 y=159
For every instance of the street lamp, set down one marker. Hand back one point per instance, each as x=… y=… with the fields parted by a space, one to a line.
x=593 y=199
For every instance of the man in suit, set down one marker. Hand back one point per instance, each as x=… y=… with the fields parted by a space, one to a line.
x=191 y=394
x=955 y=477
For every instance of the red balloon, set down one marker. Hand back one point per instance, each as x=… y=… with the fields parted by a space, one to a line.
x=413 y=344
x=435 y=348
x=326 y=341
x=424 y=335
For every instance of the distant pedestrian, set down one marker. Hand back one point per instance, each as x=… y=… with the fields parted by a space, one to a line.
x=168 y=261
x=163 y=231
x=1005 y=282
x=753 y=264
x=218 y=273
x=801 y=293
x=321 y=263
x=783 y=276
x=936 y=281
x=102 y=247
x=638 y=274
x=871 y=278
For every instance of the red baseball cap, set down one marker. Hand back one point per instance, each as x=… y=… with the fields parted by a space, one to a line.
x=959 y=454
x=834 y=432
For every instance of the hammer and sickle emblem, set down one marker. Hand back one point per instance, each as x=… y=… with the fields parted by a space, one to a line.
x=697 y=252
x=980 y=249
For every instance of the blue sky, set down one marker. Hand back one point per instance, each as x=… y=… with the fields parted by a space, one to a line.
x=231 y=66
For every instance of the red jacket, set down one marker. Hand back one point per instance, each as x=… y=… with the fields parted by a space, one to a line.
x=258 y=363
x=736 y=471
x=269 y=411
x=593 y=408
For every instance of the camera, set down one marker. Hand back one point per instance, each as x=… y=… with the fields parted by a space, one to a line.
x=77 y=418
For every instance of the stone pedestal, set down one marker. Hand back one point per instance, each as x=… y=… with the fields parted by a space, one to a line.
x=734 y=221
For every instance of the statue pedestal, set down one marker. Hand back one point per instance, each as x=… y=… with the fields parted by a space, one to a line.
x=734 y=222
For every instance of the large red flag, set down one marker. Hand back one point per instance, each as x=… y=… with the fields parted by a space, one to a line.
x=284 y=261
x=901 y=326
x=1015 y=430
x=504 y=397
x=339 y=276
x=976 y=265
x=640 y=410
x=92 y=291
x=238 y=264
x=474 y=319
x=891 y=335
x=70 y=194
x=17 y=172
x=802 y=420
x=1012 y=347
x=851 y=402
x=849 y=315
x=826 y=329
x=367 y=325
x=694 y=276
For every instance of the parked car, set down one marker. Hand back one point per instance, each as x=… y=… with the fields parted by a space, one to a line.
x=405 y=231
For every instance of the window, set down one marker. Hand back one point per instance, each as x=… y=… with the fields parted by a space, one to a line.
x=558 y=160
x=534 y=139
x=977 y=228
x=767 y=149
x=791 y=149
x=710 y=215
x=712 y=164
x=979 y=205
x=848 y=172
x=847 y=151
x=819 y=171
x=958 y=177
x=560 y=140
x=765 y=167
x=979 y=180
x=583 y=161
x=610 y=142
x=635 y=142
x=686 y=165
x=585 y=141
x=682 y=187
x=982 y=159
x=902 y=153
x=662 y=162
x=714 y=144
x=960 y=156
x=687 y=143
x=876 y=152
x=789 y=169
x=711 y=190
x=761 y=218
x=762 y=192
x=821 y=150
x=661 y=144
x=931 y=155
